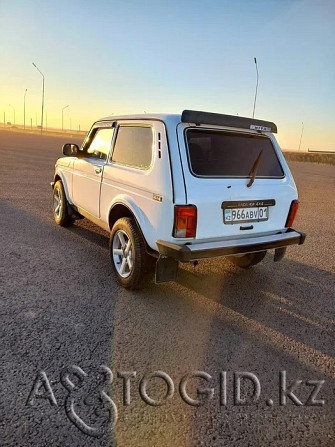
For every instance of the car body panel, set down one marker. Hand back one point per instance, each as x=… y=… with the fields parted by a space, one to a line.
x=151 y=194
x=208 y=194
x=87 y=176
x=64 y=169
x=147 y=192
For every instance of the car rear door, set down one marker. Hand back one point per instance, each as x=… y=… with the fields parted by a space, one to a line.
x=88 y=170
x=217 y=168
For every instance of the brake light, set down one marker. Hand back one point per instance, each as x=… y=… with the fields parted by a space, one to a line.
x=292 y=213
x=185 y=221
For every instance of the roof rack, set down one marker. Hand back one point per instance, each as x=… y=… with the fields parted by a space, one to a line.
x=217 y=119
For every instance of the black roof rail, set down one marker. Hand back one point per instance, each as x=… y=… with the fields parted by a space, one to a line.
x=217 y=119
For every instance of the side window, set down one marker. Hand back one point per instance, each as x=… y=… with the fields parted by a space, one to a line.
x=100 y=144
x=133 y=146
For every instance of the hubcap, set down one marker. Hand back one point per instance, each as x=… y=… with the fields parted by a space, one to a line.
x=122 y=253
x=57 y=202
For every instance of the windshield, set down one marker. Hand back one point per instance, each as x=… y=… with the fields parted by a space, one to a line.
x=215 y=153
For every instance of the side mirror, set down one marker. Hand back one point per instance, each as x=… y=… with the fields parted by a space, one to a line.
x=70 y=150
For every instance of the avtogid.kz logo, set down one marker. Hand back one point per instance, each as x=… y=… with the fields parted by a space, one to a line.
x=89 y=406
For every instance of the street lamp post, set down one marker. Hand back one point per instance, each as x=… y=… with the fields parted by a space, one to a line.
x=302 y=131
x=42 y=95
x=10 y=105
x=63 y=116
x=24 y=110
x=253 y=113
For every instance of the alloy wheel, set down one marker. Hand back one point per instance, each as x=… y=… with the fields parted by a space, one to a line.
x=122 y=253
x=58 y=202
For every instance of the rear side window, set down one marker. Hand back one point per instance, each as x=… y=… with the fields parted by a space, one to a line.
x=133 y=146
x=228 y=154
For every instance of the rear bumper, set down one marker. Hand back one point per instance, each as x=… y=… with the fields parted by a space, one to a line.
x=191 y=252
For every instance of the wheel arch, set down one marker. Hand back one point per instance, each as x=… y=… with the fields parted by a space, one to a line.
x=122 y=208
x=56 y=178
x=60 y=176
x=117 y=211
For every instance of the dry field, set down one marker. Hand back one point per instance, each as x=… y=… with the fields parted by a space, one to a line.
x=311 y=157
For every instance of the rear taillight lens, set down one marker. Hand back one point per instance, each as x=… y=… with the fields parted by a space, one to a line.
x=292 y=213
x=185 y=221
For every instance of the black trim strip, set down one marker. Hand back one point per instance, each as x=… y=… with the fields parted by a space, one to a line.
x=248 y=203
x=250 y=227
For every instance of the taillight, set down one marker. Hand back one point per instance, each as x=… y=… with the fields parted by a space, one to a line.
x=292 y=213
x=185 y=221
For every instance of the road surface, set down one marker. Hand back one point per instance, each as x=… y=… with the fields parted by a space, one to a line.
x=66 y=324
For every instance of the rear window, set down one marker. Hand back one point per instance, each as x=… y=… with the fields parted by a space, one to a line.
x=229 y=154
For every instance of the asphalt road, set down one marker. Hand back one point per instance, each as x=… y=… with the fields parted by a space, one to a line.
x=61 y=310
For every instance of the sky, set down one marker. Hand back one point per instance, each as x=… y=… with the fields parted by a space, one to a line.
x=107 y=57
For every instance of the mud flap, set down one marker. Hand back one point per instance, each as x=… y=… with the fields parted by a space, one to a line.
x=279 y=254
x=73 y=213
x=166 y=269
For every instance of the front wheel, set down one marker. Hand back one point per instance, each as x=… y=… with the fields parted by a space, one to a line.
x=247 y=260
x=131 y=264
x=60 y=206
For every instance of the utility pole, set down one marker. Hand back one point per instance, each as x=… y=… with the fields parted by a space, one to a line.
x=24 y=110
x=253 y=112
x=302 y=131
x=63 y=116
x=42 y=95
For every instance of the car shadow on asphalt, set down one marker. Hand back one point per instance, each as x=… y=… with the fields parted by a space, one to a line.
x=92 y=233
x=285 y=302
x=289 y=299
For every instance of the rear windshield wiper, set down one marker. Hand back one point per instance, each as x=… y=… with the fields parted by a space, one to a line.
x=252 y=173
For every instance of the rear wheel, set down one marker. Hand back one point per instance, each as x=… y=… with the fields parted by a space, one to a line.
x=247 y=260
x=60 y=206
x=131 y=264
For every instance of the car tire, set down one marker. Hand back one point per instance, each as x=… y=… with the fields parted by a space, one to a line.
x=61 y=206
x=248 y=260
x=131 y=264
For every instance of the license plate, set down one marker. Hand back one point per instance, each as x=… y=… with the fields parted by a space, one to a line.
x=243 y=215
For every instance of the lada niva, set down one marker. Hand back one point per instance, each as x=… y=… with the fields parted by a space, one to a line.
x=179 y=188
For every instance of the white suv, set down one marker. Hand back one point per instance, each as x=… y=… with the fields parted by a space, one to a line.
x=179 y=188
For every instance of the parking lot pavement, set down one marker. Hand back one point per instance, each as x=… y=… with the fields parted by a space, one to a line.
x=66 y=326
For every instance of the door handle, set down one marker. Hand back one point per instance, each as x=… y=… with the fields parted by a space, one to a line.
x=98 y=170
